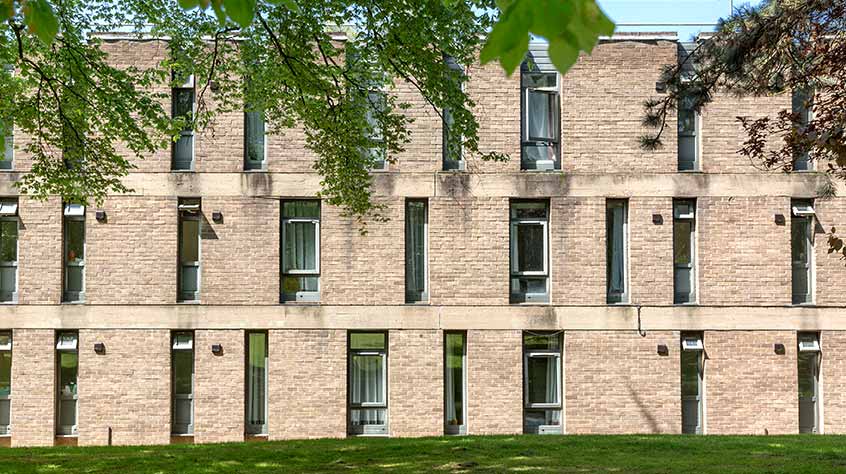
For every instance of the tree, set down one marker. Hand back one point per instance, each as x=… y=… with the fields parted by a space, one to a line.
x=83 y=116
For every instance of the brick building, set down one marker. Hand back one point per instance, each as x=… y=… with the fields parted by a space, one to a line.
x=584 y=286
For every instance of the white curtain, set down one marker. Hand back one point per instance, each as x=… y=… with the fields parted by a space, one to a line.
x=455 y=379
x=540 y=123
x=367 y=383
x=617 y=275
x=415 y=273
x=551 y=380
x=257 y=383
x=300 y=248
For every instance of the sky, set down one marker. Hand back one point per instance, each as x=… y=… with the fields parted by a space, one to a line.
x=671 y=15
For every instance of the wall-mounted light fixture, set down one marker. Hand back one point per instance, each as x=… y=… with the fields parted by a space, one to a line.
x=663 y=350
x=779 y=348
x=217 y=217
x=217 y=349
x=99 y=348
x=779 y=219
x=100 y=216
x=661 y=87
x=657 y=219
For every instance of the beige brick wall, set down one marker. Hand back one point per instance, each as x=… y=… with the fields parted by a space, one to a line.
x=308 y=384
x=415 y=383
x=494 y=382
x=219 y=387
x=749 y=389
x=40 y=251
x=33 y=387
x=616 y=382
x=829 y=267
x=126 y=389
x=651 y=251
x=577 y=250
x=833 y=380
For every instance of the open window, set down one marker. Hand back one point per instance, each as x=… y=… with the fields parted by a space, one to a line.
x=301 y=250
x=67 y=361
x=802 y=250
x=182 y=391
x=542 y=382
x=541 y=131
x=529 y=251
x=808 y=360
x=190 y=225
x=9 y=250
x=692 y=386
x=74 y=253
x=5 y=383
x=368 y=383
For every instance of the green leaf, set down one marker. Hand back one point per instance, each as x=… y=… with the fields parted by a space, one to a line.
x=563 y=52
x=7 y=9
x=241 y=11
x=189 y=4
x=41 y=20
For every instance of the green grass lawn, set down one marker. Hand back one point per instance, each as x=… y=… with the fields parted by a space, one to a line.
x=483 y=454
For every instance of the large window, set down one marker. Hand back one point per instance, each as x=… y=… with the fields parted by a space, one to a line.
x=455 y=382
x=182 y=368
x=616 y=225
x=182 y=106
x=684 y=251
x=802 y=250
x=529 y=251
x=368 y=384
x=803 y=108
x=689 y=120
x=301 y=250
x=5 y=382
x=74 y=253
x=67 y=361
x=542 y=382
x=189 y=249
x=692 y=370
x=256 y=383
x=254 y=140
x=540 y=129
x=416 y=251
x=808 y=368
x=8 y=251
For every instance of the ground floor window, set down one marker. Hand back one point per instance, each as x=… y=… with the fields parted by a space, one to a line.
x=182 y=367
x=67 y=361
x=5 y=382
x=455 y=382
x=257 y=383
x=368 y=383
x=809 y=382
x=692 y=376
x=542 y=382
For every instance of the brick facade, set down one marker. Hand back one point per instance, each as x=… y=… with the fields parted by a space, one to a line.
x=33 y=387
x=219 y=386
x=415 y=404
x=494 y=382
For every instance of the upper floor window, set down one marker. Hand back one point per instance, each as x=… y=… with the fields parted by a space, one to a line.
x=453 y=158
x=189 y=249
x=301 y=250
x=802 y=250
x=416 y=250
x=616 y=223
x=689 y=122
x=684 y=251
x=5 y=382
x=182 y=106
x=540 y=116
x=67 y=362
x=9 y=146
x=8 y=250
x=254 y=140
x=376 y=153
x=803 y=106
x=74 y=253
x=529 y=251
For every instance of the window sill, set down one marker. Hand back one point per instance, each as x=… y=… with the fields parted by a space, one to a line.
x=73 y=302
x=189 y=302
x=258 y=170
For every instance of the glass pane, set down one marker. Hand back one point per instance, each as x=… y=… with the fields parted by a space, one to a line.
x=74 y=279
x=542 y=373
x=529 y=210
x=74 y=240
x=67 y=414
x=455 y=379
x=300 y=246
x=533 y=152
x=8 y=277
x=376 y=103
x=690 y=373
x=368 y=416
x=182 y=409
x=415 y=250
x=310 y=209
x=364 y=341
x=367 y=379
x=9 y=240
x=189 y=283
x=807 y=369
x=254 y=139
x=528 y=285
x=681 y=242
x=183 y=371
x=257 y=379
x=799 y=240
x=189 y=250
x=68 y=365
x=530 y=247
x=537 y=80
x=183 y=150
x=687 y=117
x=687 y=153
x=183 y=104
x=541 y=116
x=616 y=264
x=534 y=342
x=683 y=284
x=5 y=373
x=293 y=284
x=537 y=418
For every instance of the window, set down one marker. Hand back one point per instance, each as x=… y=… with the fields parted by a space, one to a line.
x=74 y=253
x=8 y=251
x=541 y=111
x=616 y=224
x=542 y=382
x=684 y=251
x=453 y=158
x=689 y=122
x=256 y=383
x=254 y=140
x=529 y=251
x=368 y=385
x=182 y=106
x=67 y=360
x=692 y=369
x=189 y=250
x=802 y=250
x=301 y=250
x=376 y=153
x=809 y=382
x=455 y=382
x=6 y=162
x=5 y=382
x=182 y=367
x=416 y=250
x=803 y=106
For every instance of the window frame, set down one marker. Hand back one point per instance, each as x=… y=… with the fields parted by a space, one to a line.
x=692 y=297
x=805 y=109
x=367 y=430
x=623 y=297
x=300 y=296
x=696 y=134
x=514 y=223
x=412 y=297
x=803 y=213
x=62 y=346
x=526 y=140
x=528 y=405
x=460 y=429
x=257 y=166
x=188 y=84
x=250 y=428
x=73 y=213
x=6 y=400
x=687 y=346
x=448 y=163
x=189 y=209
x=377 y=135
x=7 y=163
x=9 y=213
x=176 y=346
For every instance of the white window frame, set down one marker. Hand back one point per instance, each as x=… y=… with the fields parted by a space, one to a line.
x=380 y=135
x=624 y=296
x=448 y=163
x=809 y=343
x=694 y=343
x=6 y=400
x=302 y=296
x=76 y=213
x=253 y=429
x=462 y=428
x=526 y=139
x=424 y=296
x=190 y=212
x=67 y=342
x=262 y=166
x=189 y=83
x=182 y=345
x=803 y=209
x=9 y=213
x=688 y=215
x=697 y=140
x=528 y=405
x=515 y=222
x=383 y=354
